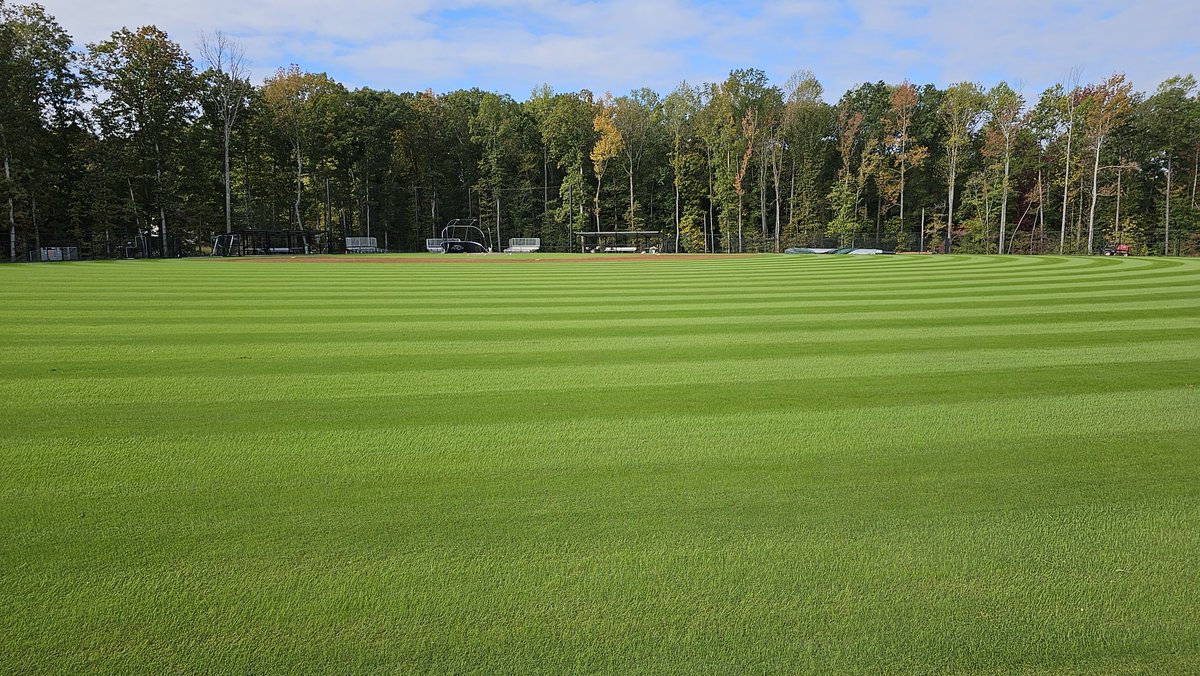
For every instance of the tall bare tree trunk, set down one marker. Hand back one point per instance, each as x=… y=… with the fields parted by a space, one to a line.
x=416 y=210
x=246 y=189
x=987 y=216
x=1062 y=234
x=596 y=203
x=162 y=219
x=12 y=218
x=227 y=58
x=792 y=194
x=228 y=187
x=1095 y=194
x=739 y=222
x=676 y=216
x=1079 y=213
x=1167 y=224
x=631 y=226
x=1117 y=219
x=162 y=212
x=762 y=194
x=778 y=207
x=545 y=190
x=1041 y=215
x=1004 y=200
x=137 y=219
x=921 y=243
x=299 y=178
x=878 y=217
x=709 y=241
x=1195 y=169
x=950 y=198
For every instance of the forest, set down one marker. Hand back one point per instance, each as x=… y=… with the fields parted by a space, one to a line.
x=133 y=137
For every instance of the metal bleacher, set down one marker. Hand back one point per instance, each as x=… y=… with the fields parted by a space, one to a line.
x=362 y=245
x=523 y=245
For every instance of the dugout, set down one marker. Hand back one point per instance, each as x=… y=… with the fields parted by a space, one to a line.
x=55 y=253
x=620 y=241
x=262 y=242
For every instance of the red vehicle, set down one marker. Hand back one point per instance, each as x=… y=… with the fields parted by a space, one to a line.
x=1118 y=250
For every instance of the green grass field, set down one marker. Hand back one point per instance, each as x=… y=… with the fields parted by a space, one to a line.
x=659 y=465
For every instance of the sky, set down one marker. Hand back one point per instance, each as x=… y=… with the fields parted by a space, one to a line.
x=620 y=45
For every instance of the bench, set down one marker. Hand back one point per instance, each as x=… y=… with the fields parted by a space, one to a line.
x=524 y=245
x=362 y=245
x=434 y=244
x=620 y=249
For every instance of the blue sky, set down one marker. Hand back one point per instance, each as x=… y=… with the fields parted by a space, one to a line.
x=617 y=45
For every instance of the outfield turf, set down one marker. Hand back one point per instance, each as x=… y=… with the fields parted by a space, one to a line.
x=654 y=464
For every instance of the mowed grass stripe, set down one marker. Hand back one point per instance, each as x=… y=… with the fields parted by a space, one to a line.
x=438 y=342
x=384 y=308
x=457 y=399
x=428 y=556
x=478 y=287
x=874 y=271
x=531 y=372
x=584 y=303
x=972 y=464
x=386 y=359
x=162 y=460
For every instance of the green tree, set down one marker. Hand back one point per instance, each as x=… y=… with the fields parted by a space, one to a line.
x=417 y=143
x=538 y=106
x=900 y=149
x=1004 y=110
x=873 y=100
x=1064 y=100
x=679 y=112
x=567 y=131
x=304 y=108
x=609 y=144
x=846 y=194
x=362 y=151
x=1170 y=126
x=772 y=151
x=506 y=136
x=1107 y=106
x=636 y=118
x=147 y=97
x=714 y=122
x=226 y=90
x=960 y=110
x=39 y=90
x=807 y=127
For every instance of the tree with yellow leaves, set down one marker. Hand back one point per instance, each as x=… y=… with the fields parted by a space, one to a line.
x=1107 y=105
x=608 y=145
x=898 y=143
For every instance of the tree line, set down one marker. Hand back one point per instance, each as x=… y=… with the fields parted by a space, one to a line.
x=133 y=138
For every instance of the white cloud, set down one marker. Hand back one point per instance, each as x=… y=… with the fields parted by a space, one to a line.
x=621 y=44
